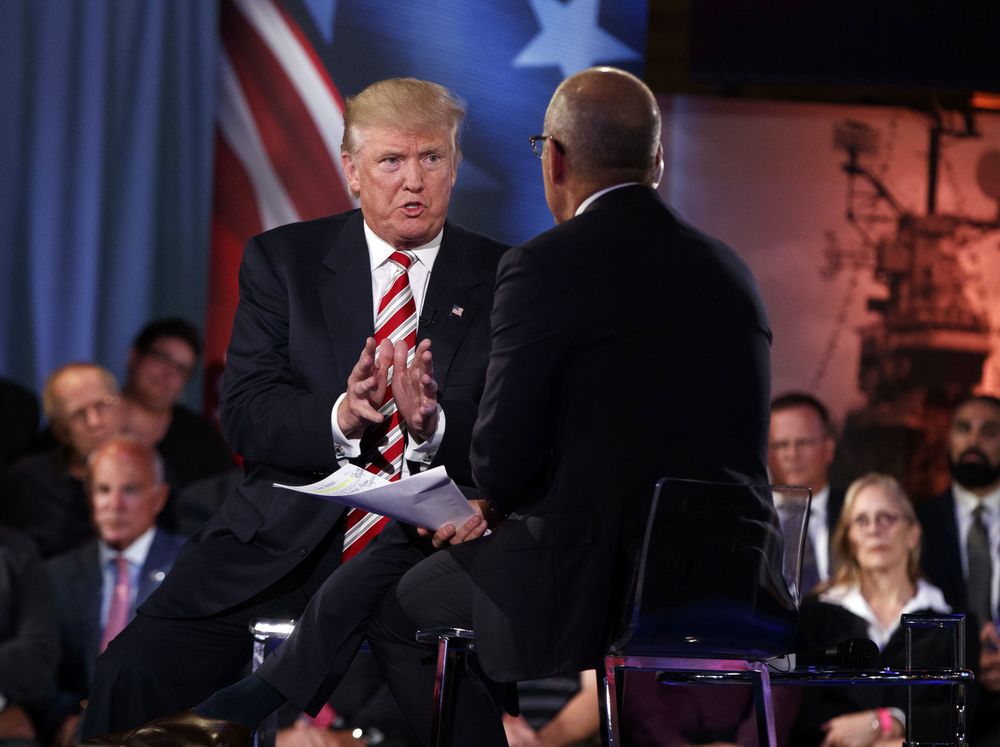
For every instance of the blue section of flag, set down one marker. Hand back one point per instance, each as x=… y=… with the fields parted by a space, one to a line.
x=504 y=59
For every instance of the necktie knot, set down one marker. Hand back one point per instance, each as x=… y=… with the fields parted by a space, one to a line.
x=402 y=258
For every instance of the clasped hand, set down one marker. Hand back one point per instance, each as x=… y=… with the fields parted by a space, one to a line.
x=413 y=386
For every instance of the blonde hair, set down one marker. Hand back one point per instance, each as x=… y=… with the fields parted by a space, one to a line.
x=408 y=104
x=848 y=571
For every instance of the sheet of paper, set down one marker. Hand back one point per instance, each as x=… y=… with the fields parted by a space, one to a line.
x=428 y=499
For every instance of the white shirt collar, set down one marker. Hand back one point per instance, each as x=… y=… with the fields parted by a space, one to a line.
x=586 y=203
x=379 y=250
x=967 y=500
x=135 y=553
x=927 y=597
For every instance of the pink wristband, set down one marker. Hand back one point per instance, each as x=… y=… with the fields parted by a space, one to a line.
x=885 y=721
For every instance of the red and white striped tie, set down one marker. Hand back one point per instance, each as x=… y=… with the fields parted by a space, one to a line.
x=396 y=320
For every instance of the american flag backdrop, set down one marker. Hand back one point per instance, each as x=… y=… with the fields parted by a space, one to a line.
x=287 y=65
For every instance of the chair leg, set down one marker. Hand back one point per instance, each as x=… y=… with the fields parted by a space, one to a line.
x=763 y=704
x=607 y=684
x=443 y=693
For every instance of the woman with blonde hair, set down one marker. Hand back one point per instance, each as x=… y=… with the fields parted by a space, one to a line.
x=876 y=548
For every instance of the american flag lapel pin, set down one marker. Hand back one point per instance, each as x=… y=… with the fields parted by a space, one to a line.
x=457 y=311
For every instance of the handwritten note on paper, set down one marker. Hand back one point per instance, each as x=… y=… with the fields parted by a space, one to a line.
x=428 y=499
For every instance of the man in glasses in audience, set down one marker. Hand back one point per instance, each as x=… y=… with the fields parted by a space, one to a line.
x=42 y=494
x=160 y=364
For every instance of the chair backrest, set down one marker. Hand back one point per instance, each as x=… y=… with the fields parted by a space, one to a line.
x=713 y=578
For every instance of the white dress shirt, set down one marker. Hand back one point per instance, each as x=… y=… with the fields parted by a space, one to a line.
x=965 y=503
x=135 y=554
x=383 y=272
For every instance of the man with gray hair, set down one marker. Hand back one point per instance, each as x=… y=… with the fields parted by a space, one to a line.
x=99 y=584
x=326 y=307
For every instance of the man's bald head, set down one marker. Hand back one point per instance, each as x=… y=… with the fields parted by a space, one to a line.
x=608 y=124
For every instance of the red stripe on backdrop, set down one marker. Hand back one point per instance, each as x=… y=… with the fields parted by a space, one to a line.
x=235 y=218
x=291 y=137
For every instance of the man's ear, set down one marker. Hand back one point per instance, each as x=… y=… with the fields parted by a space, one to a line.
x=351 y=172
x=557 y=163
x=658 y=172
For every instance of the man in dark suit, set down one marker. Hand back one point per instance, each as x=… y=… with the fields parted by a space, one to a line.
x=18 y=420
x=127 y=491
x=960 y=540
x=42 y=493
x=626 y=346
x=801 y=445
x=29 y=638
x=305 y=380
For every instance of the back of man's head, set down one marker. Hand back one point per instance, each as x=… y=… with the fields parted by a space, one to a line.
x=608 y=124
x=407 y=104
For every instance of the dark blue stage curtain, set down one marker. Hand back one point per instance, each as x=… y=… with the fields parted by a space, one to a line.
x=106 y=117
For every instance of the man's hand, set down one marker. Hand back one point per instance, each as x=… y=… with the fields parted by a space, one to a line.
x=303 y=734
x=365 y=390
x=989 y=658
x=449 y=534
x=415 y=390
x=852 y=730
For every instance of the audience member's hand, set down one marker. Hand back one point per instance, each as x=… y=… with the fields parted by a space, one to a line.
x=449 y=534
x=365 y=390
x=519 y=732
x=15 y=724
x=850 y=730
x=989 y=658
x=415 y=390
x=304 y=734
x=68 y=733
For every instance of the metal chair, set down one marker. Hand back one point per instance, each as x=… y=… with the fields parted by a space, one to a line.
x=454 y=646
x=684 y=644
x=716 y=590
x=267 y=636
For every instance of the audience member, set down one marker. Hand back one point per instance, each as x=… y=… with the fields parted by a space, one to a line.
x=99 y=584
x=877 y=544
x=301 y=395
x=42 y=493
x=961 y=539
x=29 y=639
x=556 y=711
x=800 y=452
x=160 y=364
x=18 y=421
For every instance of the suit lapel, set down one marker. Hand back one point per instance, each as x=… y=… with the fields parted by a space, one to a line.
x=88 y=592
x=345 y=289
x=449 y=308
x=954 y=557
x=158 y=562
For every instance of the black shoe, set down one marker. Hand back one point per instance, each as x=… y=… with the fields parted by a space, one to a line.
x=184 y=729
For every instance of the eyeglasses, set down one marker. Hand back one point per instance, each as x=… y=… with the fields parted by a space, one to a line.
x=100 y=407
x=796 y=444
x=882 y=520
x=181 y=369
x=538 y=143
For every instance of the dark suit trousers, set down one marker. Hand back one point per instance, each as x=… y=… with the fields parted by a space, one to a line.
x=311 y=662
x=158 y=666
x=436 y=592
